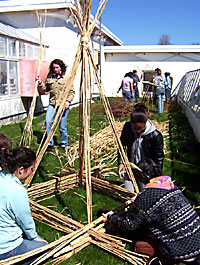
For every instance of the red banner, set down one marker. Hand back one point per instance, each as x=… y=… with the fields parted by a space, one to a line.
x=28 y=72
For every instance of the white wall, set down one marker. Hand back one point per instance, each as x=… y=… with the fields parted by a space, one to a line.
x=116 y=65
x=13 y=107
x=63 y=45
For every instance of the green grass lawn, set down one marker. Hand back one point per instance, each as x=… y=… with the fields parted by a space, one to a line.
x=182 y=167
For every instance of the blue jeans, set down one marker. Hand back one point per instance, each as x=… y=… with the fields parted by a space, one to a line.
x=136 y=94
x=127 y=97
x=167 y=94
x=160 y=92
x=62 y=125
x=26 y=246
x=128 y=184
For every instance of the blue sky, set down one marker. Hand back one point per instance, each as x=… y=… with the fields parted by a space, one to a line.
x=143 y=22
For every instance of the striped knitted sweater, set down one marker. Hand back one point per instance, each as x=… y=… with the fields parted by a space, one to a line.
x=169 y=217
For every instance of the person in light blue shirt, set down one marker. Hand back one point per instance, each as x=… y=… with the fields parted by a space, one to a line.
x=17 y=228
x=168 y=87
x=159 y=84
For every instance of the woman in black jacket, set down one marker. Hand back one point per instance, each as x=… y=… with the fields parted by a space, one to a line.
x=141 y=140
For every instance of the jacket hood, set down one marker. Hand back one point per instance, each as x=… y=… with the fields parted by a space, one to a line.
x=149 y=127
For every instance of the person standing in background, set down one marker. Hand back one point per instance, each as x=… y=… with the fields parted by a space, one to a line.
x=136 y=79
x=168 y=87
x=159 y=84
x=127 y=89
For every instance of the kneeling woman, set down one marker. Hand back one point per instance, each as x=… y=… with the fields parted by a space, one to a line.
x=17 y=228
x=173 y=226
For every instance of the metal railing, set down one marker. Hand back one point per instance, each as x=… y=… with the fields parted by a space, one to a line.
x=188 y=90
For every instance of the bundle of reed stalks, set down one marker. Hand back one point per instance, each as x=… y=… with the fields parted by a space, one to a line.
x=55 y=185
x=103 y=141
x=100 y=142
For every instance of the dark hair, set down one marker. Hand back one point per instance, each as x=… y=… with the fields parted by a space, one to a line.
x=159 y=72
x=139 y=115
x=134 y=71
x=12 y=159
x=167 y=74
x=5 y=142
x=149 y=170
x=60 y=63
x=129 y=74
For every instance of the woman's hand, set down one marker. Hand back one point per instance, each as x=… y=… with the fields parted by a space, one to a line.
x=105 y=217
x=121 y=170
x=39 y=80
x=38 y=238
x=67 y=103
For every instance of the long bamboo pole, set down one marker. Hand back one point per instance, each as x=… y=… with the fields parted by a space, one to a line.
x=27 y=132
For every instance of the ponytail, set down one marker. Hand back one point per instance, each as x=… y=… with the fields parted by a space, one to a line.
x=12 y=159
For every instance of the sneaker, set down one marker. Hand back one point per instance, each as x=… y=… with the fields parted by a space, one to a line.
x=63 y=146
x=50 y=148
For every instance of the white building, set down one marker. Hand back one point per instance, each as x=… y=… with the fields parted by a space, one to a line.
x=59 y=34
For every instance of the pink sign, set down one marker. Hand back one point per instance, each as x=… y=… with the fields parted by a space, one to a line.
x=28 y=72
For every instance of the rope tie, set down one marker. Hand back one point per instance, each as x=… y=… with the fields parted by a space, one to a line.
x=85 y=41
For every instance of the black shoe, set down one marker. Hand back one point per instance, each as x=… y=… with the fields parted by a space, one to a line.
x=50 y=148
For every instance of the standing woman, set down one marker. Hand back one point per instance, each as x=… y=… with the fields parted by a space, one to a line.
x=127 y=89
x=54 y=85
x=141 y=140
x=17 y=228
x=168 y=87
x=160 y=83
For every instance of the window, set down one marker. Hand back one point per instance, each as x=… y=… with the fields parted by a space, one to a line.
x=13 y=76
x=22 y=49
x=12 y=51
x=12 y=47
x=36 y=52
x=3 y=46
x=3 y=78
x=29 y=51
x=8 y=82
